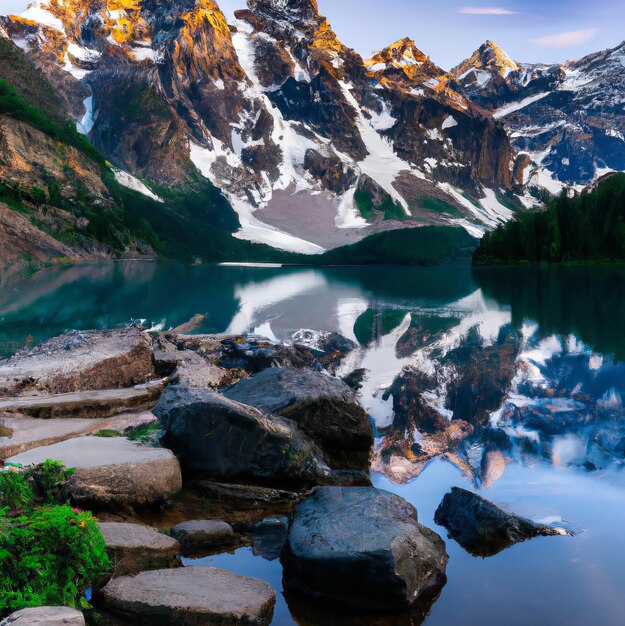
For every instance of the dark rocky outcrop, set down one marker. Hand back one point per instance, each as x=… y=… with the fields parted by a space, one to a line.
x=362 y=547
x=189 y=596
x=216 y=437
x=482 y=528
x=325 y=408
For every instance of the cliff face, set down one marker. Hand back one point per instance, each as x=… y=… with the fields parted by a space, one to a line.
x=271 y=105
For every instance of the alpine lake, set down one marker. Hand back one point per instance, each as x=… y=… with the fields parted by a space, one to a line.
x=532 y=359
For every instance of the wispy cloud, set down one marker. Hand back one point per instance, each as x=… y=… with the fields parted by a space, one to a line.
x=563 y=40
x=486 y=11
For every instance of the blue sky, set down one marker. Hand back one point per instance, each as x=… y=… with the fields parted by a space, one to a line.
x=449 y=30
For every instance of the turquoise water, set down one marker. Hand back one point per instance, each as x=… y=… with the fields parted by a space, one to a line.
x=554 y=445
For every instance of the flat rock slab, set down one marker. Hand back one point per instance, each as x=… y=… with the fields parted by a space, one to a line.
x=189 y=596
x=79 y=361
x=112 y=472
x=362 y=547
x=134 y=548
x=25 y=433
x=84 y=404
x=482 y=528
x=197 y=535
x=45 y=616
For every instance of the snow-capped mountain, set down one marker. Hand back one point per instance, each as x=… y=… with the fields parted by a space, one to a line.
x=567 y=121
x=295 y=128
x=313 y=146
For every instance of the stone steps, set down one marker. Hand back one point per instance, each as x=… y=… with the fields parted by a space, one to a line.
x=91 y=404
x=24 y=433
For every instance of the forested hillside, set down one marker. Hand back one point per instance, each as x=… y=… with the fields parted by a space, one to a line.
x=586 y=227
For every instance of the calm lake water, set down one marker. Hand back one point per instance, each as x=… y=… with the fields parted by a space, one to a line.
x=532 y=360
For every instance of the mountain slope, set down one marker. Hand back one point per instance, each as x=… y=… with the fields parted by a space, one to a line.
x=276 y=112
x=567 y=122
x=61 y=199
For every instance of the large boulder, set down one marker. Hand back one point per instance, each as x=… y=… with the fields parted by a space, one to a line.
x=196 y=536
x=112 y=473
x=134 y=548
x=325 y=408
x=45 y=616
x=78 y=361
x=216 y=437
x=189 y=596
x=482 y=528
x=362 y=547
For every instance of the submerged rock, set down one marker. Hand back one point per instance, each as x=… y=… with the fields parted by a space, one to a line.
x=482 y=528
x=112 y=472
x=325 y=408
x=45 y=616
x=198 y=535
x=189 y=596
x=134 y=548
x=216 y=437
x=269 y=538
x=362 y=547
x=79 y=361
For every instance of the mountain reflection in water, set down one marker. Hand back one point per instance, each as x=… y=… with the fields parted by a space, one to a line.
x=507 y=380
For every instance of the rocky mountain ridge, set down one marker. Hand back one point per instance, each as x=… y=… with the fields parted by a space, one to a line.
x=313 y=146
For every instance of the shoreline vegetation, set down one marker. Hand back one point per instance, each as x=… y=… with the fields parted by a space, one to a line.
x=578 y=229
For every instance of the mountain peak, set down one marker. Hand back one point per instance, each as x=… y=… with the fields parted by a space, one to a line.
x=298 y=9
x=403 y=55
x=490 y=56
x=487 y=62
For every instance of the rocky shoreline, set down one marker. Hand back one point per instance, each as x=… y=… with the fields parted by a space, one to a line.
x=199 y=444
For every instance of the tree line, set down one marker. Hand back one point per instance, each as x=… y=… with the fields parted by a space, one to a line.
x=571 y=228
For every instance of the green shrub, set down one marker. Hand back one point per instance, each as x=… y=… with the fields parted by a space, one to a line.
x=15 y=492
x=47 y=481
x=50 y=557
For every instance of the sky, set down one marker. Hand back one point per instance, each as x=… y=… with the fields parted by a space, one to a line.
x=450 y=30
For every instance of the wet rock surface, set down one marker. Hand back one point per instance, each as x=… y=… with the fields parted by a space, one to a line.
x=484 y=529
x=325 y=408
x=201 y=535
x=189 y=596
x=112 y=473
x=362 y=547
x=134 y=548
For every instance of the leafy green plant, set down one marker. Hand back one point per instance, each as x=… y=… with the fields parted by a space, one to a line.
x=15 y=492
x=49 y=557
x=47 y=480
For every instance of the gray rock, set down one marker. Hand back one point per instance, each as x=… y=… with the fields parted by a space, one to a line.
x=482 y=528
x=134 y=548
x=189 y=596
x=362 y=547
x=79 y=361
x=45 y=616
x=215 y=437
x=112 y=472
x=325 y=408
x=269 y=538
x=25 y=433
x=197 y=535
